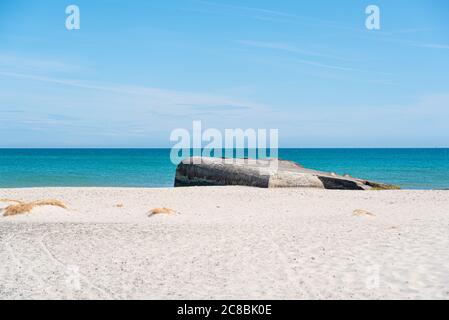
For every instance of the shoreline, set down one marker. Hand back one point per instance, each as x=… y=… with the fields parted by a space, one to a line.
x=226 y=243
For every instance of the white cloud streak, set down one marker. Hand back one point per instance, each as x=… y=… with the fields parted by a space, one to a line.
x=157 y=97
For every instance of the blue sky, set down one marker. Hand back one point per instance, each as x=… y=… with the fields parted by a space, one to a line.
x=136 y=70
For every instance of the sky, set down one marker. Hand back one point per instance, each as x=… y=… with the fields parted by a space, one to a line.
x=137 y=70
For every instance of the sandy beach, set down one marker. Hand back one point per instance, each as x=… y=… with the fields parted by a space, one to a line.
x=226 y=243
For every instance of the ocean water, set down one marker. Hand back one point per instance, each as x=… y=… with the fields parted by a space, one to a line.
x=408 y=168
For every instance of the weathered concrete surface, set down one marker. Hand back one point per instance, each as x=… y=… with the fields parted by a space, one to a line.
x=196 y=171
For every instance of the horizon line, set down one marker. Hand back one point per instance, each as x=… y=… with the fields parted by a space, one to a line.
x=169 y=148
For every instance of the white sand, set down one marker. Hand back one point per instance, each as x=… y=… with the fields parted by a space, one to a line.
x=227 y=242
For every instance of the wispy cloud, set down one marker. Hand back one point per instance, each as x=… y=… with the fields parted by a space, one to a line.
x=217 y=107
x=323 y=65
x=288 y=48
x=252 y=10
x=20 y=62
x=157 y=97
x=314 y=63
x=420 y=44
x=271 y=15
x=389 y=37
x=85 y=111
x=433 y=45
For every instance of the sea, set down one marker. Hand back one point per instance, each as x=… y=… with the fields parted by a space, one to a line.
x=24 y=168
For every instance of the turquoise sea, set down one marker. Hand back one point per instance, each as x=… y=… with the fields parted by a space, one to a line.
x=408 y=168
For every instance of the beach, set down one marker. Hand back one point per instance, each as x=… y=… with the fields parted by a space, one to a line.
x=226 y=243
